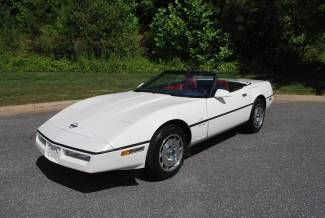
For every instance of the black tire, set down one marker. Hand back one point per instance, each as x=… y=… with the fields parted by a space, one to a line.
x=154 y=168
x=251 y=125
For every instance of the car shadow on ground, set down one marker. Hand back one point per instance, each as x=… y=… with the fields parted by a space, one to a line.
x=84 y=182
x=214 y=141
x=87 y=183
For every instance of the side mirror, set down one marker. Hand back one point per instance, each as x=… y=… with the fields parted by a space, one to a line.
x=222 y=93
x=140 y=85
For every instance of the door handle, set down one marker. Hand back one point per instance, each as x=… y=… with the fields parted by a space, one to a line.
x=244 y=95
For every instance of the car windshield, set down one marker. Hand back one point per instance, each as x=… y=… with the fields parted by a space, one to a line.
x=185 y=84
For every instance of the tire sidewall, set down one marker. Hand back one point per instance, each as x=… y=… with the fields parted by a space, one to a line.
x=251 y=120
x=152 y=160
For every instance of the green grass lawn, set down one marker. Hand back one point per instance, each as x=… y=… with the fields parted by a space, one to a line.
x=33 y=79
x=295 y=88
x=21 y=88
x=33 y=87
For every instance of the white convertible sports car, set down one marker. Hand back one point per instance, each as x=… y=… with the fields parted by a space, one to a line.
x=152 y=126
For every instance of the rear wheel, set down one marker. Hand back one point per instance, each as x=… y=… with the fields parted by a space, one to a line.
x=166 y=152
x=256 y=120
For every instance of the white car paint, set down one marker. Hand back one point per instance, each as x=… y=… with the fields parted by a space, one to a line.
x=110 y=124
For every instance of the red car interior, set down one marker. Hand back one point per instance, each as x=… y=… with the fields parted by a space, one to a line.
x=191 y=83
x=177 y=86
x=222 y=84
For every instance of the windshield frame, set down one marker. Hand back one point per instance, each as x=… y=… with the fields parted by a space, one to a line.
x=208 y=95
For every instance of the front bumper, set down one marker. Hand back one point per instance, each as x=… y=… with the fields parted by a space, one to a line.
x=89 y=162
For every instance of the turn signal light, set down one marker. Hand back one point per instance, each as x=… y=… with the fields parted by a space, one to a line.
x=131 y=151
x=126 y=152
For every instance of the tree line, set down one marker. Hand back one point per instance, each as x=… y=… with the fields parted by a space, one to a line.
x=264 y=35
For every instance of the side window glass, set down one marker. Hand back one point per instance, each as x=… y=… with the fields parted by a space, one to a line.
x=222 y=84
x=234 y=86
x=228 y=85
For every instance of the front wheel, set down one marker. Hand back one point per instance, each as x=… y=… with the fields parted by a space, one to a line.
x=256 y=120
x=166 y=152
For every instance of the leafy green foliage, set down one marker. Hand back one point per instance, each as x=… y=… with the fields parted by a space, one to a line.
x=303 y=22
x=34 y=63
x=283 y=41
x=186 y=30
x=102 y=28
x=72 y=29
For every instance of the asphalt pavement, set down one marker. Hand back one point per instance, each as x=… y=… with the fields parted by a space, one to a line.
x=277 y=172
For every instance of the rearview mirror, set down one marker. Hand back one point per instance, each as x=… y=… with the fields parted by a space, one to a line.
x=140 y=85
x=222 y=93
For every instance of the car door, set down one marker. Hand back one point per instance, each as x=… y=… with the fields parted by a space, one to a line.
x=227 y=112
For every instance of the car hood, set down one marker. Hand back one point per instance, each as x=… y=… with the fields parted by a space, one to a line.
x=104 y=117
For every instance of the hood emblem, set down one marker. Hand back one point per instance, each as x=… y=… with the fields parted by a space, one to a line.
x=73 y=125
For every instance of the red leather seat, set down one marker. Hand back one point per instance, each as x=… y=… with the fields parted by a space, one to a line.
x=177 y=86
x=190 y=82
x=222 y=84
